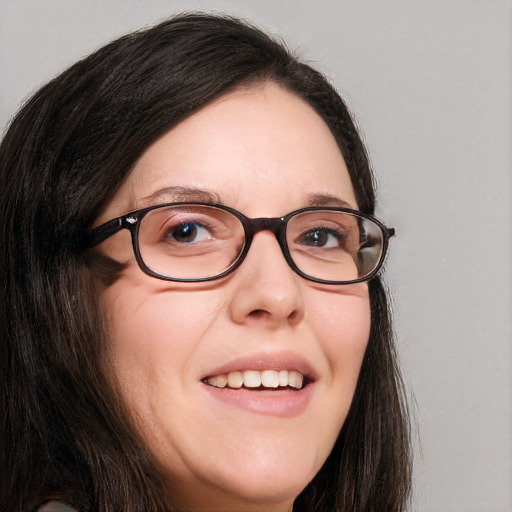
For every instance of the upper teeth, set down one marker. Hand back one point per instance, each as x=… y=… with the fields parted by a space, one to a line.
x=255 y=379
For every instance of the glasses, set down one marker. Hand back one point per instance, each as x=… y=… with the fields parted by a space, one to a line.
x=194 y=241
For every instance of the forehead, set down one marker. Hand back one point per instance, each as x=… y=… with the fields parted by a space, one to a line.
x=258 y=145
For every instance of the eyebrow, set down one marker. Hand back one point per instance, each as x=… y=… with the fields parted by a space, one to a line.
x=327 y=200
x=175 y=194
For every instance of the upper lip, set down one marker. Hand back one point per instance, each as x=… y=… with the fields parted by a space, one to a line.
x=267 y=361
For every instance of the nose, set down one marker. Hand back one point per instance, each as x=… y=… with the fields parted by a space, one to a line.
x=267 y=291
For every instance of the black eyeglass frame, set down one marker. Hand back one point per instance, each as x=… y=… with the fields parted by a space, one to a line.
x=276 y=225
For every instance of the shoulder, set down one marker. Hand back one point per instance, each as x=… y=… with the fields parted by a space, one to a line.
x=55 y=506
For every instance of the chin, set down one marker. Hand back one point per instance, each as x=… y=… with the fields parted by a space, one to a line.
x=261 y=483
x=272 y=486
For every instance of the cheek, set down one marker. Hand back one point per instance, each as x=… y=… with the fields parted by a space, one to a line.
x=340 y=319
x=342 y=323
x=153 y=336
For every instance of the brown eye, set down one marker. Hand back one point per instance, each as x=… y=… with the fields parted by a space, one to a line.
x=321 y=237
x=188 y=232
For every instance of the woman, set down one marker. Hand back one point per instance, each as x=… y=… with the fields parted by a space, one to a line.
x=192 y=316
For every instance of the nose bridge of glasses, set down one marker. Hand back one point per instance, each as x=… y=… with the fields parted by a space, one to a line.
x=266 y=224
x=275 y=225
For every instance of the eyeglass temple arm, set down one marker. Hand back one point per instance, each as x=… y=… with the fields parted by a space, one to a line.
x=391 y=232
x=101 y=233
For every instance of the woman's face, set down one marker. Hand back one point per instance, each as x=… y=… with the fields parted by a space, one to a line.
x=265 y=152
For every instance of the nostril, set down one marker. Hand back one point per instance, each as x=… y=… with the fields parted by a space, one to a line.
x=257 y=313
x=293 y=315
x=263 y=314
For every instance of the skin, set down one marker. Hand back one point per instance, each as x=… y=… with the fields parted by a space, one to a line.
x=263 y=151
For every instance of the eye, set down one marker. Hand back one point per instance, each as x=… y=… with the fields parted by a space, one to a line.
x=188 y=232
x=322 y=237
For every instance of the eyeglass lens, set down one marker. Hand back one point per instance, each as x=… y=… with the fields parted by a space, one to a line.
x=198 y=241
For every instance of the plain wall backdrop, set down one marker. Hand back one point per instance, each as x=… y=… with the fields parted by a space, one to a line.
x=430 y=83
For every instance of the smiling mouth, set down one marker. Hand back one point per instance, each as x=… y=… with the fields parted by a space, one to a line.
x=254 y=380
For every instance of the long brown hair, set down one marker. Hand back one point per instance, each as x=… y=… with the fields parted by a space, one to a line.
x=65 y=154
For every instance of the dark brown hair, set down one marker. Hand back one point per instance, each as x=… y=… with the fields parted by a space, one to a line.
x=65 y=154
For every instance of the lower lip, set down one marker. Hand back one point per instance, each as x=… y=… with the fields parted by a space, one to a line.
x=284 y=403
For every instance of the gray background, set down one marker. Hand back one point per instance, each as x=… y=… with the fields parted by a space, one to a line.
x=430 y=84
